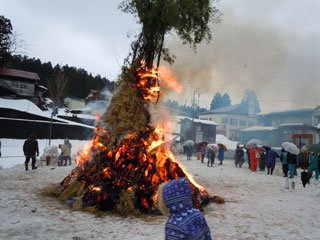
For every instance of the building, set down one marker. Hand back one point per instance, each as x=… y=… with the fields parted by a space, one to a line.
x=232 y=119
x=74 y=103
x=298 y=126
x=197 y=130
x=17 y=84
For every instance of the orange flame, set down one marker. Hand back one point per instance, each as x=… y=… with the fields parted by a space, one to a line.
x=170 y=79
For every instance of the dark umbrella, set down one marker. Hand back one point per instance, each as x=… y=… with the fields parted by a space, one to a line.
x=200 y=145
x=315 y=148
x=267 y=148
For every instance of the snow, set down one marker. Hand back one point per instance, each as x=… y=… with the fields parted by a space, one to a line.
x=290 y=124
x=257 y=207
x=23 y=106
x=231 y=145
x=258 y=128
x=12 y=152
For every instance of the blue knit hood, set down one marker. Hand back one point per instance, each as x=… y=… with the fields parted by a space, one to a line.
x=177 y=195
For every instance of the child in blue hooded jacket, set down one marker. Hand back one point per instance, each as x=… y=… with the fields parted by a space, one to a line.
x=185 y=222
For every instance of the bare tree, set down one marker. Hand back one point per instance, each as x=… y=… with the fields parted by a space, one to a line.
x=57 y=87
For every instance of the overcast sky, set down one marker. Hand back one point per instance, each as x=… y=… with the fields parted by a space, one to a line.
x=270 y=46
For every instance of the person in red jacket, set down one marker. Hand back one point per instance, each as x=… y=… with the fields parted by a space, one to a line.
x=254 y=158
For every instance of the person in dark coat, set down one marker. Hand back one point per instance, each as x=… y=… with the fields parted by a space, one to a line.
x=189 y=152
x=248 y=156
x=262 y=159
x=185 y=222
x=203 y=150
x=292 y=161
x=271 y=161
x=283 y=159
x=239 y=156
x=211 y=157
x=31 y=150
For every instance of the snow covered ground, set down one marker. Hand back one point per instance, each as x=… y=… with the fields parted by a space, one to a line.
x=12 y=150
x=257 y=207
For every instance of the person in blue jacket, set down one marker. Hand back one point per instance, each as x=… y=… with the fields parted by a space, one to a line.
x=271 y=160
x=221 y=154
x=185 y=222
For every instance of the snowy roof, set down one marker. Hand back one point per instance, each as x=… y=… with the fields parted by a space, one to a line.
x=201 y=121
x=24 y=105
x=19 y=74
x=291 y=124
x=286 y=112
x=258 y=128
x=318 y=126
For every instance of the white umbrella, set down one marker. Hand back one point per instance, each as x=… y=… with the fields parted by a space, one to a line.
x=213 y=147
x=188 y=143
x=291 y=148
x=254 y=143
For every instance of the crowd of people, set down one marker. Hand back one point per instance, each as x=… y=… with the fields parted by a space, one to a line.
x=263 y=158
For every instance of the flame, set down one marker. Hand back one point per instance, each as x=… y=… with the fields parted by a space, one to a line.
x=93 y=188
x=170 y=79
x=145 y=155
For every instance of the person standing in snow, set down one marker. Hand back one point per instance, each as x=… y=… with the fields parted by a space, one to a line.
x=221 y=154
x=292 y=161
x=262 y=159
x=31 y=150
x=254 y=157
x=66 y=151
x=203 y=152
x=189 y=152
x=313 y=166
x=185 y=222
x=248 y=156
x=211 y=157
x=271 y=160
x=239 y=156
x=283 y=159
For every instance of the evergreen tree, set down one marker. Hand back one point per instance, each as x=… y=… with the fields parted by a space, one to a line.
x=220 y=101
x=6 y=40
x=250 y=95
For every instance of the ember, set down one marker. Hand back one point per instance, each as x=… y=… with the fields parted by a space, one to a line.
x=113 y=175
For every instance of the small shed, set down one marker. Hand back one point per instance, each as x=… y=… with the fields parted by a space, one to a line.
x=198 y=130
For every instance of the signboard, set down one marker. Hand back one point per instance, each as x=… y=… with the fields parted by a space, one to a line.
x=22 y=88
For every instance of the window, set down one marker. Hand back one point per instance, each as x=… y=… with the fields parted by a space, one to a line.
x=224 y=120
x=243 y=123
x=198 y=128
x=233 y=121
x=251 y=123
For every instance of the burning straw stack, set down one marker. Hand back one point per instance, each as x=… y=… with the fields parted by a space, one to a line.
x=129 y=159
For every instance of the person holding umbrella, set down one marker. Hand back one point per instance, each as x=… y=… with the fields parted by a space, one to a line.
x=211 y=154
x=220 y=153
x=292 y=153
x=313 y=166
x=254 y=157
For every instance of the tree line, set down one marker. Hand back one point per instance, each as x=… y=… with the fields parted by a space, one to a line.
x=78 y=80
x=61 y=81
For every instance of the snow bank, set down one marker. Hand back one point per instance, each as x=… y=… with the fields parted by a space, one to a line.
x=231 y=145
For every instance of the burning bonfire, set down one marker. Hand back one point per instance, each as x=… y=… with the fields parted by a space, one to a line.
x=122 y=173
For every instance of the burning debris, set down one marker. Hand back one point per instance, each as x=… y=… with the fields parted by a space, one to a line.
x=127 y=159
x=114 y=177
